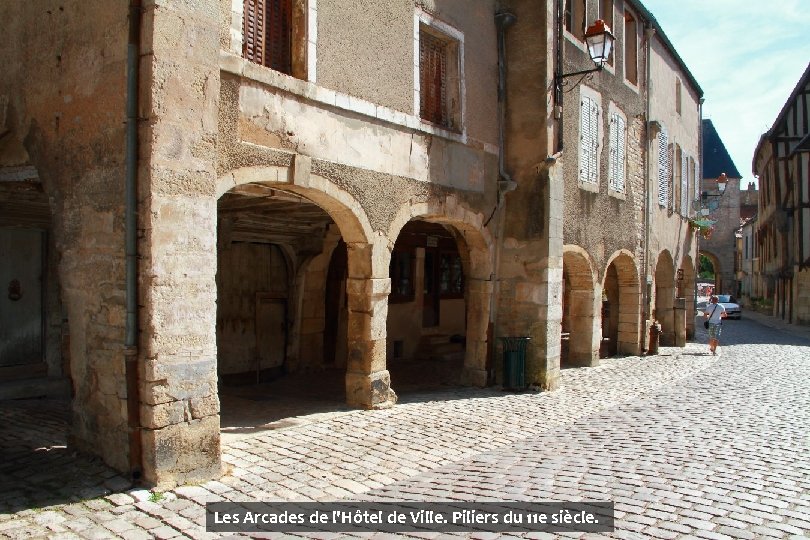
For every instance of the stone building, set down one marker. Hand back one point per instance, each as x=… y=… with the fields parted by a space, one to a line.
x=782 y=164
x=723 y=208
x=224 y=189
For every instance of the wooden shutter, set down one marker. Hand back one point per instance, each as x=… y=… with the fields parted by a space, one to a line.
x=253 y=31
x=589 y=140
x=663 y=168
x=433 y=79
x=684 y=185
x=618 y=143
x=613 y=151
x=267 y=33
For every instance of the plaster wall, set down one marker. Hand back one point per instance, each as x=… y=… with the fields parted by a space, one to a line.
x=65 y=89
x=597 y=218
x=669 y=230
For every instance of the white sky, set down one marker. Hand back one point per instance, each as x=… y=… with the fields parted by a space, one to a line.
x=746 y=55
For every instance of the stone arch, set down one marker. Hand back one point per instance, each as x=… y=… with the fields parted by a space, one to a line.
x=580 y=302
x=665 y=297
x=718 y=270
x=686 y=286
x=620 y=284
x=474 y=246
x=366 y=283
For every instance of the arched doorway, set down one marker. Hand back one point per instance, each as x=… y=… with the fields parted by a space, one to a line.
x=686 y=290
x=710 y=273
x=621 y=307
x=665 y=298
x=580 y=339
x=439 y=305
x=291 y=258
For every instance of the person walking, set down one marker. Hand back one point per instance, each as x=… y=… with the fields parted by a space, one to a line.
x=714 y=313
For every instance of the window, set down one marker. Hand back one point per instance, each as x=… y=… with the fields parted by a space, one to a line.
x=274 y=35
x=439 y=78
x=267 y=31
x=401 y=272
x=678 y=96
x=451 y=276
x=663 y=168
x=606 y=14
x=589 y=141
x=616 y=157
x=630 y=48
x=575 y=18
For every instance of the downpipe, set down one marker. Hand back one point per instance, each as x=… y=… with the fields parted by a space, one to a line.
x=131 y=243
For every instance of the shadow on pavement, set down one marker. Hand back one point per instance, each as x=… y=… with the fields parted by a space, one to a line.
x=37 y=469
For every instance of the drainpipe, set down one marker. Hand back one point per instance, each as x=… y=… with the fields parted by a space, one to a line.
x=131 y=235
x=558 y=71
x=699 y=188
x=503 y=20
x=646 y=314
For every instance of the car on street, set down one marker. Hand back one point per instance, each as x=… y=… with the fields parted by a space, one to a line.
x=733 y=309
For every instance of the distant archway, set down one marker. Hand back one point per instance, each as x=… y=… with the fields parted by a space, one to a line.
x=580 y=338
x=665 y=297
x=686 y=290
x=621 y=317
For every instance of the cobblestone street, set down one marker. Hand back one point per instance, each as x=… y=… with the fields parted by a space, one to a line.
x=685 y=444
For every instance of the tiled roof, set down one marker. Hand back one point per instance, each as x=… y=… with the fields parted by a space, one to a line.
x=716 y=159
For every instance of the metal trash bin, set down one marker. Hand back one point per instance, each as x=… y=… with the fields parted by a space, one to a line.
x=655 y=335
x=514 y=362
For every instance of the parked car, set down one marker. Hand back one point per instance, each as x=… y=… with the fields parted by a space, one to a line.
x=733 y=309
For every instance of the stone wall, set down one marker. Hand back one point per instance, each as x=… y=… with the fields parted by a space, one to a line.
x=66 y=89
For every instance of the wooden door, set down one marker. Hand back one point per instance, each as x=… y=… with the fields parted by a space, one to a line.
x=430 y=293
x=271 y=332
x=21 y=317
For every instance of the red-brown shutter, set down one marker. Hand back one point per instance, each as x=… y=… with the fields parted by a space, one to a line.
x=432 y=79
x=253 y=31
x=267 y=33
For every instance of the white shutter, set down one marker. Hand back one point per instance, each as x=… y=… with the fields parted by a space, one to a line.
x=621 y=160
x=684 y=185
x=697 y=179
x=618 y=142
x=671 y=176
x=663 y=170
x=589 y=141
x=613 y=151
x=584 y=143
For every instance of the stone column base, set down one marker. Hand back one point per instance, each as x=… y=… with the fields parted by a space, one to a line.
x=370 y=391
x=474 y=377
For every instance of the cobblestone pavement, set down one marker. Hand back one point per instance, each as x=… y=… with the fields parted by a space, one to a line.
x=687 y=446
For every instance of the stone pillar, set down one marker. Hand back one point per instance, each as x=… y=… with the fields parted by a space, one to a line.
x=178 y=209
x=479 y=293
x=531 y=274
x=680 y=322
x=586 y=330
x=629 y=322
x=368 y=383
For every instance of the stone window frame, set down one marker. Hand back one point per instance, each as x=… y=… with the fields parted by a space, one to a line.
x=304 y=37
x=456 y=87
x=595 y=97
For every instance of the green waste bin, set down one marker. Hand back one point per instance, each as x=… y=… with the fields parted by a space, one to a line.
x=514 y=362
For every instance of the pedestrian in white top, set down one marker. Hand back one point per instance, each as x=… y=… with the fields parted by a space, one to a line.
x=715 y=313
